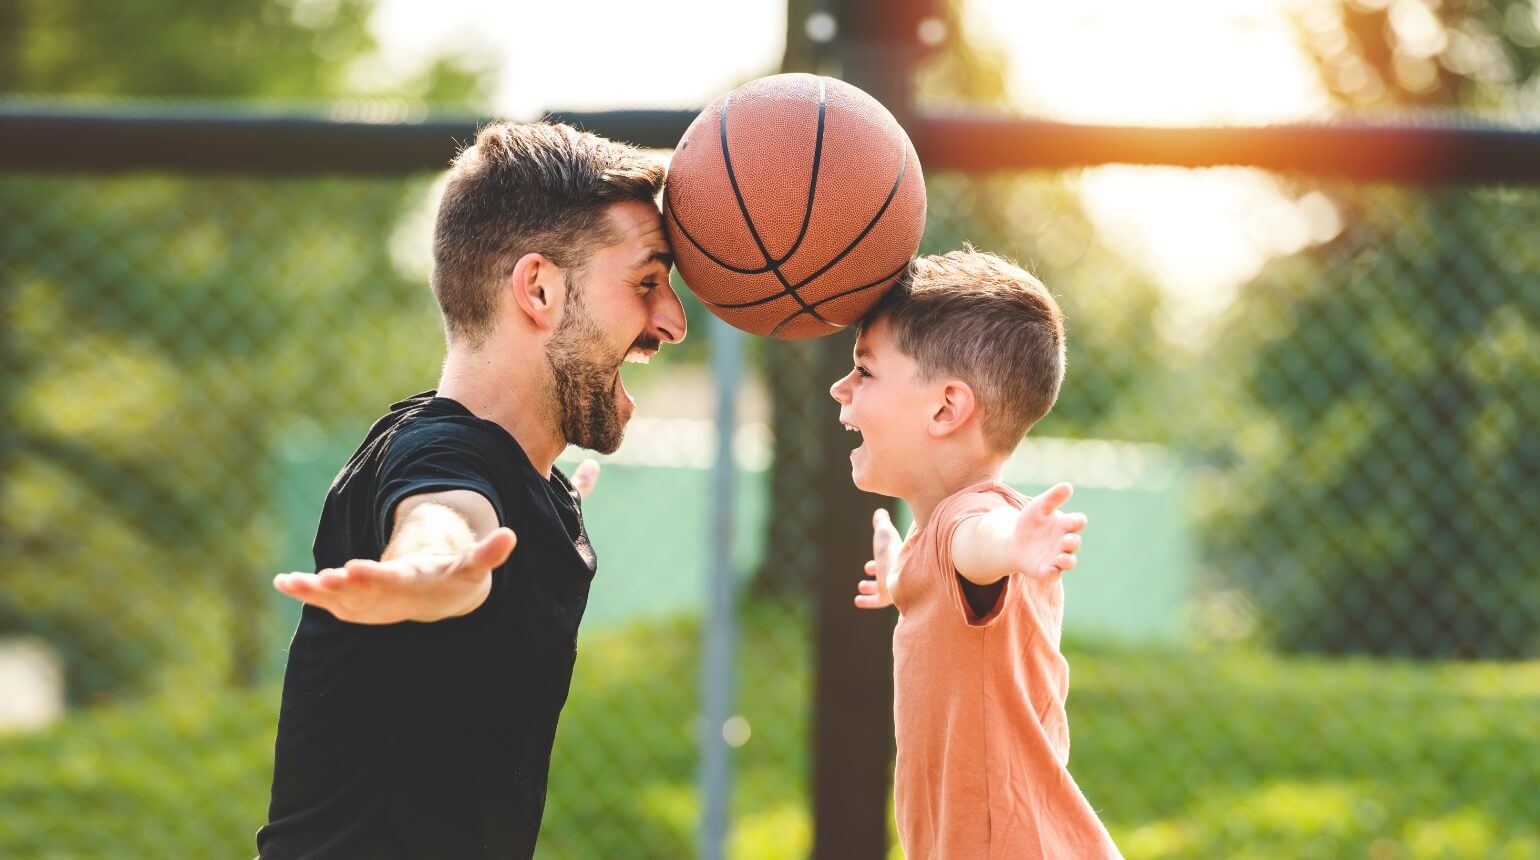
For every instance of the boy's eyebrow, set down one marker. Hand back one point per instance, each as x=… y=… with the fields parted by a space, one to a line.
x=863 y=352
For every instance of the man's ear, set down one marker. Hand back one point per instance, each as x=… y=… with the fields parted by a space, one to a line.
x=954 y=408
x=538 y=289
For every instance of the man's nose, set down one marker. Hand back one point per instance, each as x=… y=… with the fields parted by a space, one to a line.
x=668 y=319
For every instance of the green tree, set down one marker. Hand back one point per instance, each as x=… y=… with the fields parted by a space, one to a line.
x=1375 y=478
x=165 y=330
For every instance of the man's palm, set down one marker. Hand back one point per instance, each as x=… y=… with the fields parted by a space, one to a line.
x=411 y=588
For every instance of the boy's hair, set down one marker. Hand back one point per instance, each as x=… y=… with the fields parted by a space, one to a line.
x=977 y=317
x=531 y=188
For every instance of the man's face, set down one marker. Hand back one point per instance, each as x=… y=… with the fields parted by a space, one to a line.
x=882 y=399
x=623 y=310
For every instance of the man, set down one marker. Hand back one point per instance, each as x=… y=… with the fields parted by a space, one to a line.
x=422 y=690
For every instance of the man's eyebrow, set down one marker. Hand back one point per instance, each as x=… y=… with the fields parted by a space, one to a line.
x=655 y=255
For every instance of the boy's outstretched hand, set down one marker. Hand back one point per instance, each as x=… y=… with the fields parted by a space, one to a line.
x=872 y=592
x=1044 y=541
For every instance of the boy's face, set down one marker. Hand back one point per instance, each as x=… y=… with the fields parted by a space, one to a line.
x=882 y=400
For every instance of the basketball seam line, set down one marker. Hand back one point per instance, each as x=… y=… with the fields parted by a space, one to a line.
x=824 y=300
x=748 y=220
x=773 y=265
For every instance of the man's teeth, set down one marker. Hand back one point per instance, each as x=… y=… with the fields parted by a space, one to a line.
x=638 y=357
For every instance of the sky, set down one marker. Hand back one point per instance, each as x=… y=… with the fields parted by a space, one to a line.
x=1157 y=62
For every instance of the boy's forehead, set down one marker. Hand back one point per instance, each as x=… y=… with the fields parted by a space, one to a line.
x=871 y=339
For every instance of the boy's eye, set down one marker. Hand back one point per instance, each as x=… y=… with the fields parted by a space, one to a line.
x=861 y=371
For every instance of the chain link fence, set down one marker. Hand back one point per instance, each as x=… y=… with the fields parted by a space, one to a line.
x=1305 y=623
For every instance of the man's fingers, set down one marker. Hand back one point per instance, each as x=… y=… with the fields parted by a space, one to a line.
x=494 y=548
x=585 y=477
x=304 y=587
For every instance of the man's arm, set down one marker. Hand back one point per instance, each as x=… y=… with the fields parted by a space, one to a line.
x=443 y=549
x=1038 y=540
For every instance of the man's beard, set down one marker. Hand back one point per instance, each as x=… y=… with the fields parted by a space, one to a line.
x=584 y=378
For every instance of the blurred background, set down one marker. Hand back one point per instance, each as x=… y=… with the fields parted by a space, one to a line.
x=1300 y=412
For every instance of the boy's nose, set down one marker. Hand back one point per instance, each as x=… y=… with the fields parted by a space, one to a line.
x=837 y=390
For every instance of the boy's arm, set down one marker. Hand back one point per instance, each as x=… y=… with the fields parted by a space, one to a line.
x=1038 y=540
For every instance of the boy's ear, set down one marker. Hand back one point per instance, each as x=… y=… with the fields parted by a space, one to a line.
x=954 y=408
x=537 y=288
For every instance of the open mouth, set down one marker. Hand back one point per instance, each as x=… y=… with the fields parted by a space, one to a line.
x=640 y=352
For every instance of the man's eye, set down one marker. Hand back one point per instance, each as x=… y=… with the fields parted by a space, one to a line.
x=649 y=285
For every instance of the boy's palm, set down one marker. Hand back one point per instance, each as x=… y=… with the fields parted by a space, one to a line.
x=872 y=592
x=1045 y=540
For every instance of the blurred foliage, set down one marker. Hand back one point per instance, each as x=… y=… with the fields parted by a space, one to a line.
x=254 y=49
x=152 y=375
x=154 y=327
x=1374 y=485
x=1184 y=755
x=1475 y=54
x=1374 y=461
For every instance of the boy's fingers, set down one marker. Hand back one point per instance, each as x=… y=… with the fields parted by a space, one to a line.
x=1055 y=496
x=1073 y=522
x=1065 y=562
x=585 y=477
x=880 y=518
x=866 y=586
x=1070 y=543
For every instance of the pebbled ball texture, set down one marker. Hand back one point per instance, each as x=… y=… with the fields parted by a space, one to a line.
x=792 y=204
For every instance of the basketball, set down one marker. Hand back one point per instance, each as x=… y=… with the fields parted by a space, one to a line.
x=792 y=204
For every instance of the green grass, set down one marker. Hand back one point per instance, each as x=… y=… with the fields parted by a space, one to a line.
x=1186 y=755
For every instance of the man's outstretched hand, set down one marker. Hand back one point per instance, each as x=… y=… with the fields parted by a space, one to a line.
x=415 y=587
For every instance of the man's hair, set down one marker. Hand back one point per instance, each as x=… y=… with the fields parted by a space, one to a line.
x=977 y=317
x=532 y=188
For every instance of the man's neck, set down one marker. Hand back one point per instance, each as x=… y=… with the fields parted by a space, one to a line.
x=511 y=391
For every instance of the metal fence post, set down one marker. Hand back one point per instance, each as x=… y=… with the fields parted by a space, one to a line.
x=718 y=631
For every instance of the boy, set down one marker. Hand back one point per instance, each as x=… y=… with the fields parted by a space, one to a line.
x=952 y=367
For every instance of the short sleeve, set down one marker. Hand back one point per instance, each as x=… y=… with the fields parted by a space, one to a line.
x=948 y=517
x=431 y=458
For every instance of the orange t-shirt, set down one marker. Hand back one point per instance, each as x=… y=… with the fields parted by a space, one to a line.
x=978 y=706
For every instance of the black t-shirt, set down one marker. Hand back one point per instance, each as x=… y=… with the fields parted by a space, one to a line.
x=431 y=740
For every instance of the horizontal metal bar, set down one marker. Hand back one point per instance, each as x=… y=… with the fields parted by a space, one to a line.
x=1441 y=152
x=116 y=139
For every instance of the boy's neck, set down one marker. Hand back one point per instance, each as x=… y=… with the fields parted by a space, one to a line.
x=948 y=478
